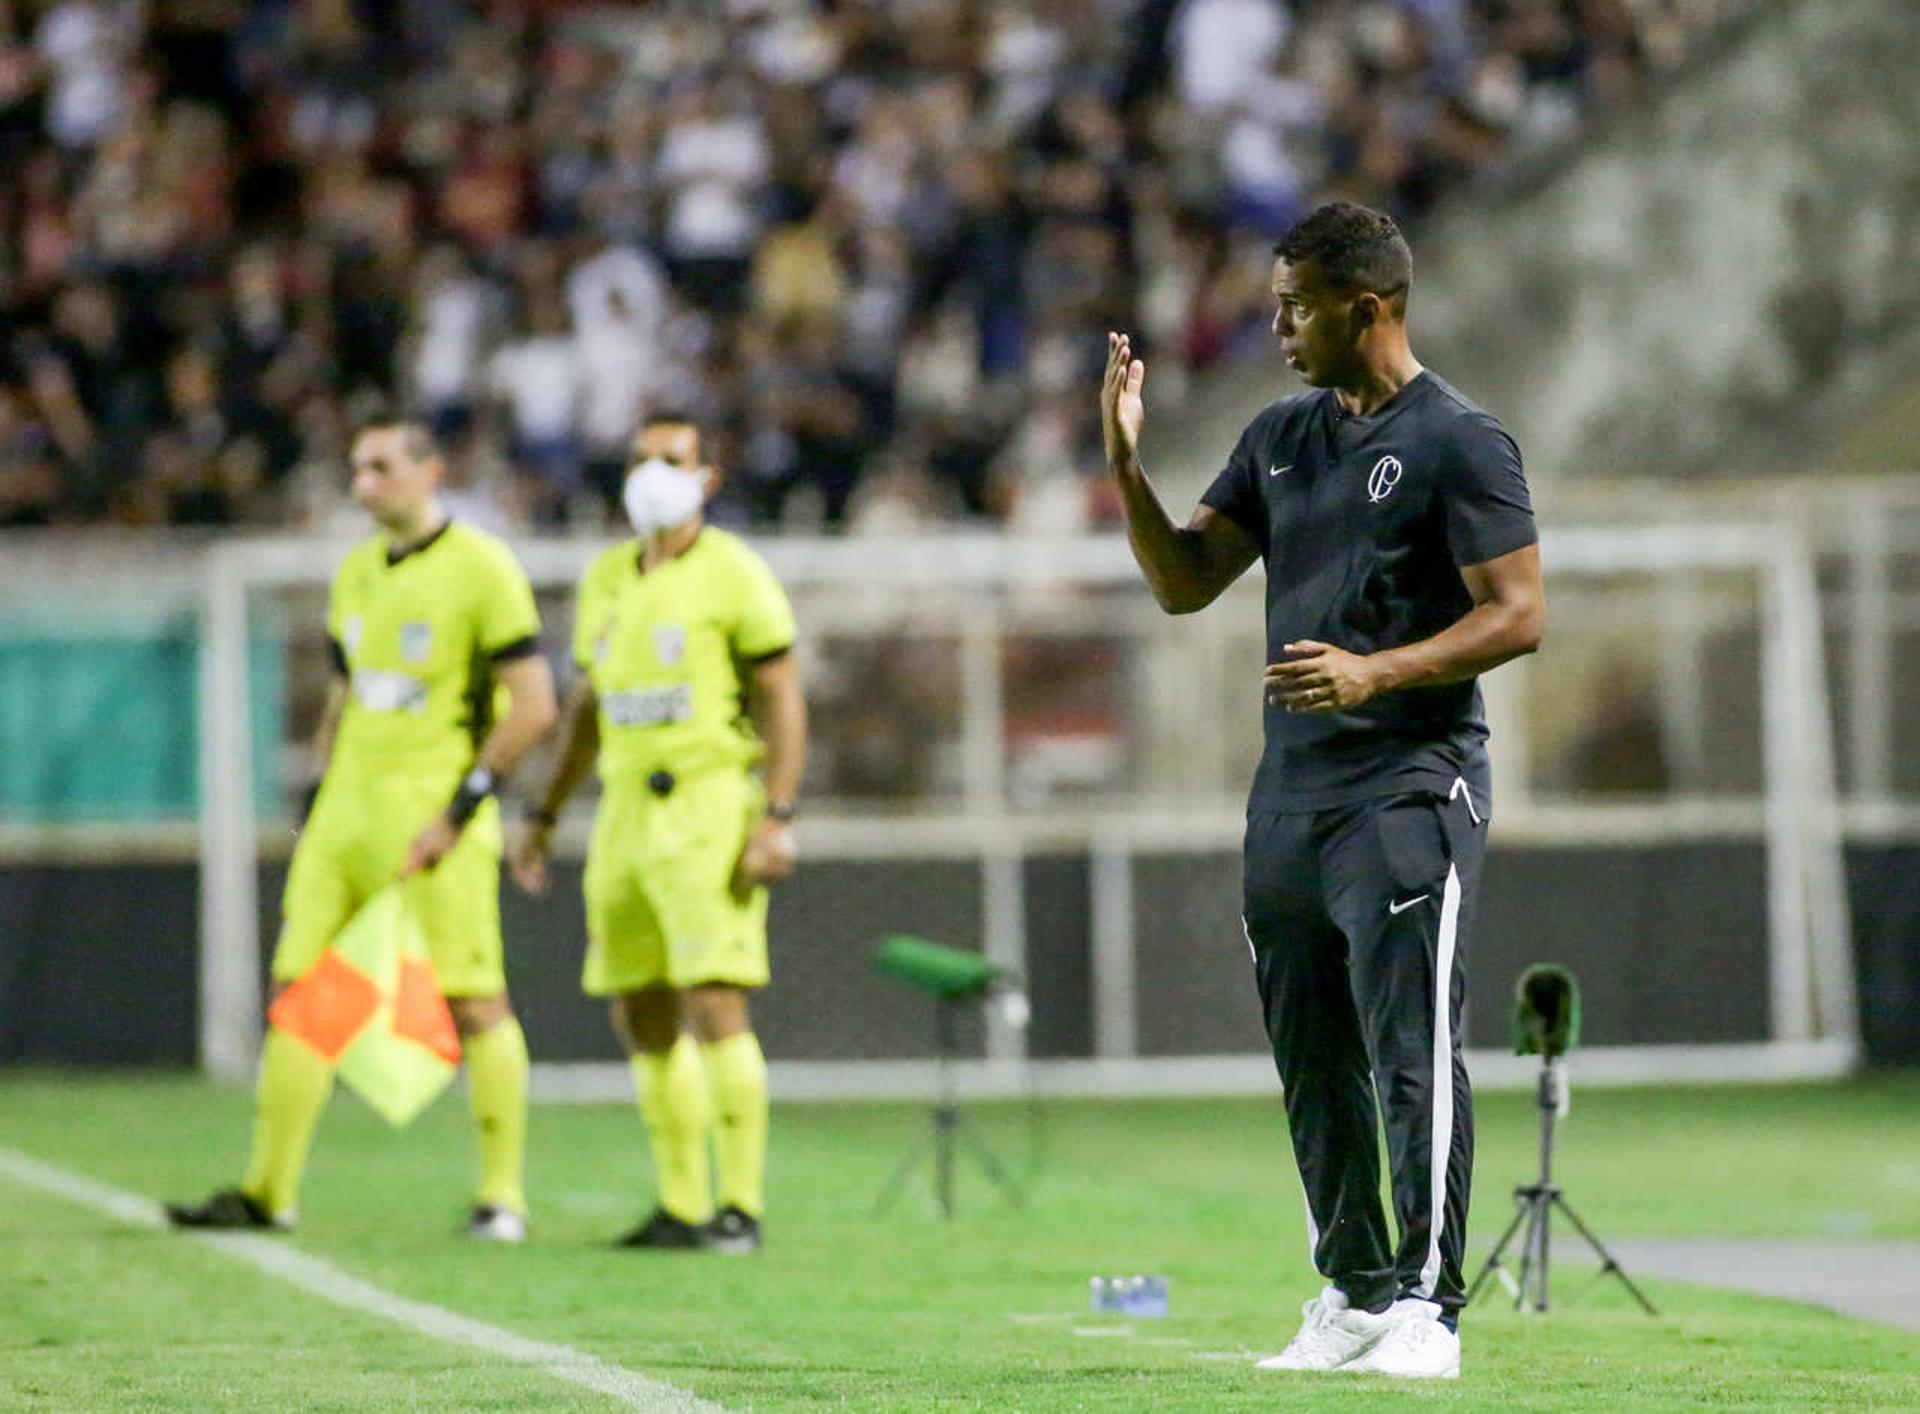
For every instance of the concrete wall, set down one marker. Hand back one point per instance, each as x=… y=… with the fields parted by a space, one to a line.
x=99 y=964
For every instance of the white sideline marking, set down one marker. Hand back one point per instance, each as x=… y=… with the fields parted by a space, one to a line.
x=321 y=1278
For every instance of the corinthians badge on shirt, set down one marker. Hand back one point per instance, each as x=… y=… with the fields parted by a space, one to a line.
x=416 y=642
x=669 y=643
x=1383 y=478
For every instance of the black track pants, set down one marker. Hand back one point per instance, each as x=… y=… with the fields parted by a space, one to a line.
x=1358 y=917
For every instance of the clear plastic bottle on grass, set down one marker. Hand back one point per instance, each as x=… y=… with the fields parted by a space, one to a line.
x=1128 y=1296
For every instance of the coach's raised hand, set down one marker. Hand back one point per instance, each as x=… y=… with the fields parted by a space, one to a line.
x=1185 y=566
x=1122 y=411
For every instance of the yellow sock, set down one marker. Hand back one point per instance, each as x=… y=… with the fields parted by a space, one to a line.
x=737 y=1069
x=293 y=1089
x=678 y=1112
x=497 y=1094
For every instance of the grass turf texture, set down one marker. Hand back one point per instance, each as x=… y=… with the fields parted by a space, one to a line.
x=988 y=1312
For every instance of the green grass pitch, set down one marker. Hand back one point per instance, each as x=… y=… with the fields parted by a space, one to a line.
x=907 y=1313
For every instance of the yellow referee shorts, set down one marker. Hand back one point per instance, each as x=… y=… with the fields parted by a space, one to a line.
x=659 y=887
x=354 y=845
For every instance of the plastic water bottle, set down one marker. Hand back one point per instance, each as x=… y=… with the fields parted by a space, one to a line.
x=1128 y=1296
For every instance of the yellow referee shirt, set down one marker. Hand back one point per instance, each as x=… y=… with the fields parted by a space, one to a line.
x=667 y=653
x=418 y=636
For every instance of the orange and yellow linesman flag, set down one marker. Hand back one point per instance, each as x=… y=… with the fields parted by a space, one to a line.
x=372 y=1007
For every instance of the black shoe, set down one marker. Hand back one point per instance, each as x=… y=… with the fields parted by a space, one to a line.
x=663 y=1230
x=487 y=1223
x=734 y=1231
x=228 y=1208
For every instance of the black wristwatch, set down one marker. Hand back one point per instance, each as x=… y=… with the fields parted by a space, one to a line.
x=781 y=810
x=475 y=787
x=541 y=816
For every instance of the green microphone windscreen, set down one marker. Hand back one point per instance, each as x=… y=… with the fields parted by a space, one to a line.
x=944 y=971
x=1546 y=1012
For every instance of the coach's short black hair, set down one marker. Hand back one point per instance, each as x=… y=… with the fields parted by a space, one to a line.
x=416 y=439
x=1359 y=248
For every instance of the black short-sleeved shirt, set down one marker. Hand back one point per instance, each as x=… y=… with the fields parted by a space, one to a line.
x=1364 y=524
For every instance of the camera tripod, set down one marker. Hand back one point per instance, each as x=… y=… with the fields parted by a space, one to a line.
x=947 y=1133
x=1537 y=1202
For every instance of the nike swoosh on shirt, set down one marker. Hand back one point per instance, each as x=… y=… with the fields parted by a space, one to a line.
x=1405 y=904
x=1279 y=470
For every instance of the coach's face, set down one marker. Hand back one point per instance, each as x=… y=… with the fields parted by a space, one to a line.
x=1317 y=324
x=391 y=481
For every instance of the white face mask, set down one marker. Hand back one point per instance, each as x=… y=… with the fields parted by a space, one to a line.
x=660 y=495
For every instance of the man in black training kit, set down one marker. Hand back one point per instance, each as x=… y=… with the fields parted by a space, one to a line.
x=1401 y=559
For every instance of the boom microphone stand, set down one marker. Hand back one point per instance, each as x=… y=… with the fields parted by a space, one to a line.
x=1547 y=1021
x=954 y=978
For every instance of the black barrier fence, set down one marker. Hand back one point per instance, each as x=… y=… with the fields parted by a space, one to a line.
x=99 y=963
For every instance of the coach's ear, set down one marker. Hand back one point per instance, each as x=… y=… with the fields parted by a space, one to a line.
x=1366 y=311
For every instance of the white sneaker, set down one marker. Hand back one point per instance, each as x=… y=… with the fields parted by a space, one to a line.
x=490 y=1224
x=1416 y=1345
x=1332 y=1334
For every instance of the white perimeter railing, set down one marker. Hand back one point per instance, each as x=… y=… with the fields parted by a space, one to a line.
x=1810 y=968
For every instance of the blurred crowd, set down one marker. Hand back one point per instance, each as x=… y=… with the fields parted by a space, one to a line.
x=872 y=244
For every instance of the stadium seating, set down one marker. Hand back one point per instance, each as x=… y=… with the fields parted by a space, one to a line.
x=874 y=243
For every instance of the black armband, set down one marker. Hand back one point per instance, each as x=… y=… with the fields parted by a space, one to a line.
x=513 y=652
x=475 y=787
x=781 y=810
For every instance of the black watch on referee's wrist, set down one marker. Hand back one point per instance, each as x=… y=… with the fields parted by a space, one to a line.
x=474 y=787
x=781 y=810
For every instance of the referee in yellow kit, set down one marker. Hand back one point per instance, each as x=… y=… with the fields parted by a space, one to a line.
x=438 y=690
x=682 y=636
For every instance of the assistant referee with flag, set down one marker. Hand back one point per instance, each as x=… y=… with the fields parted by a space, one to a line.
x=439 y=689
